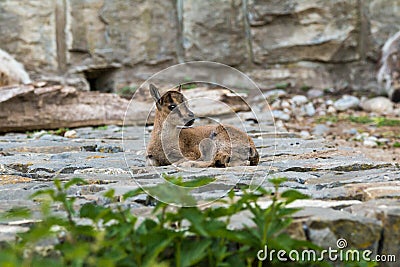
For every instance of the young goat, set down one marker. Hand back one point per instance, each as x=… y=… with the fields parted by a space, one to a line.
x=173 y=141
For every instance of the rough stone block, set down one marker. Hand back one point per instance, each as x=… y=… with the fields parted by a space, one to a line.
x=28 y=30
x=289 y=31
x=127 y=32
x=214 y=31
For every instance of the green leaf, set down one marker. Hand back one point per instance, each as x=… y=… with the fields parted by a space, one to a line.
x=133 y=193
x=292 y=195
x=194 y=251
x=277 y=181
x=74 y=181
x=16 y=212
x=109 y=194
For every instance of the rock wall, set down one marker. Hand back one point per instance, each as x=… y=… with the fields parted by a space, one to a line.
x=107 y=45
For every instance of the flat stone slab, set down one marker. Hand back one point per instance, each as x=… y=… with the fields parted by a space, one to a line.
x=339 y=181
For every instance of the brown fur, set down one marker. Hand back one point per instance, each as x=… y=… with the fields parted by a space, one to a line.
x=203 y=146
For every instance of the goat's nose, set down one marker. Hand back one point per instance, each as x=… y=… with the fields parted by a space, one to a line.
x=191 y=114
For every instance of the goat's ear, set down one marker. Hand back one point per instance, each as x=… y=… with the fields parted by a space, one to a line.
x=180 y=88
x=156 y=95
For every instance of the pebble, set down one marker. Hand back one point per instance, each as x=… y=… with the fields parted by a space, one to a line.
x=309 y=109
x=305 y=134
x=370 y=143
x=299 y=100
x=351 y=131
x=378 y=104
x=274 y=94
x=347 y=102
x=315 y=93
x=320 y=129
x=278 y=114
x=70 y=134
x=285 y=104
x=331 y=110
x=37 y=135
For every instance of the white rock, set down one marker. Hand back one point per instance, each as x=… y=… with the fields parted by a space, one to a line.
x=285 y=104
x=320 y=130
x=305 y=134
x=331 y=110
x=70 y=134
x=370 y=143
x=314 y=93
x=309 y=109
x=278 y=114
x=372 y=138
x=299 y=100
x=347 y=102
x=378 y=104
x=274 y=94
x=329 y=102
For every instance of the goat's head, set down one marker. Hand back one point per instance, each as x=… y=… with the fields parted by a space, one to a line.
x=172 y=106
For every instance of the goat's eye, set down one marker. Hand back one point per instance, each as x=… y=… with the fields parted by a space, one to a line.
x=171 y=107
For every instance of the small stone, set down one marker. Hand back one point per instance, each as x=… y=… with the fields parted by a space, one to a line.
x=383 y=140
x=272 y=94
x=305 y=134
x=370 y=143
x=372 y=138
x=329 y=102
x=309 y=109
x=347 y=102
x=320 y=130
x=285 y=104
x=378 y=104
x=315 y=93
x=39 y=84
x=331 y=110
x=70 y=134
x=299 y=100
x=280 y=115
x=351 y=131
x=37 y=135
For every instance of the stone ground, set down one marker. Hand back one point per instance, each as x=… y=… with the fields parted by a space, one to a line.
x=352 y=196
x=354 y=188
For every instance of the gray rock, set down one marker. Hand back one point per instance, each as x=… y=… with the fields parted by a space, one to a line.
x=305 y=134
x=346 y=102
x=205 y=31
x=272 y=94
x=37 y=50
x=378 y=105
x=312 y=36
x=370 y=143
x=280 y=115
x=299 y=100
x=315 y=93
x=320 y=130
x=309 y=109
x=104 y=30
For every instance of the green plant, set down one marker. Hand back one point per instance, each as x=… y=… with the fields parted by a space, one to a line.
x=101 y=128
x=189 y=86
x=59 y=131
x=282 y=86
x=127 y=90
x=189 y=236
x=305 y=88
x=396 y=144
